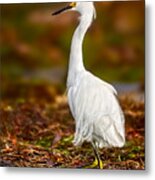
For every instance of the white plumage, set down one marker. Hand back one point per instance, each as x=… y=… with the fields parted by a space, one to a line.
x=92 y=101
x=95 y=108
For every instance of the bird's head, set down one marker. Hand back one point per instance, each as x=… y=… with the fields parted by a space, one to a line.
x=81 y=7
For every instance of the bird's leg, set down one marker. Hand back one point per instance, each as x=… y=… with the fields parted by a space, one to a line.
x=98 y=160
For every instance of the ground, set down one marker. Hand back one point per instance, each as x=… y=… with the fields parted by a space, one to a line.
x=40 y=134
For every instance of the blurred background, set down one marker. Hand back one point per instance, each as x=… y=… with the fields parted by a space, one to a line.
x=35 y=48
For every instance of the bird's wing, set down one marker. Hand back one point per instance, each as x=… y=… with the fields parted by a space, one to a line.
x=105 y=84
x=109 y=116
x=93 y=102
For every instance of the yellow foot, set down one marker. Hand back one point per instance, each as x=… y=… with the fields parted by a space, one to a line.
x=100 y=164
x=96 y=164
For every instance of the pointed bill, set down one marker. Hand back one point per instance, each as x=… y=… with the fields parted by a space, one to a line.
x=62 y=10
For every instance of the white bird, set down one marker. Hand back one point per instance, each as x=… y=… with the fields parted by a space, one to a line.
x=92 y=101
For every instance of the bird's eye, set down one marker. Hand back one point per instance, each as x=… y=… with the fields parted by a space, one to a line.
x=73 y=4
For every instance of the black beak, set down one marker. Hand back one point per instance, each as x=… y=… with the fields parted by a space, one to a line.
x=62 y=10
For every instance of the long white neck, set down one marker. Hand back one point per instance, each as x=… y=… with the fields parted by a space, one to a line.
x=76 y=59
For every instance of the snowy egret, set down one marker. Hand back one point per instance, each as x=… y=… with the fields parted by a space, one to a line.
x=92 y=101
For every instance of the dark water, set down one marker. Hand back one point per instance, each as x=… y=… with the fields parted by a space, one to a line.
x=133 y=89
x=57 y=75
